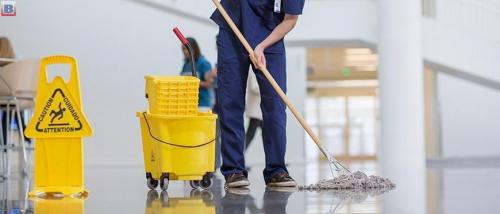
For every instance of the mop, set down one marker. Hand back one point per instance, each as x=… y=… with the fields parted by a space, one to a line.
x=346 y=179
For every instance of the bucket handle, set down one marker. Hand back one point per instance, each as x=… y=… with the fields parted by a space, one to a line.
x=172 y=144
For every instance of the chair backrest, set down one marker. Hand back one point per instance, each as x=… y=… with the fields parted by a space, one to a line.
x=21 y=77
x=4 y=89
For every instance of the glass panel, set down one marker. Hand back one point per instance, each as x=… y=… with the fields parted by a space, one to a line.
x=362 y=126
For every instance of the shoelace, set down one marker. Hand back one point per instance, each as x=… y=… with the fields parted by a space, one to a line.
x=236 y=176
x=286 y=176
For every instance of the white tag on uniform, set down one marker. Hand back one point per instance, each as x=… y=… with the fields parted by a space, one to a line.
x=277 y=6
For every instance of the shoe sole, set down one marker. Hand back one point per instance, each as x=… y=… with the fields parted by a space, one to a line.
x=282 y=189
x=283 y=184
x=238 y=191
x=238 y=184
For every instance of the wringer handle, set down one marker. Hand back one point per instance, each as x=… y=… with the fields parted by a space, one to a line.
x=186 y=44
x=181 y=37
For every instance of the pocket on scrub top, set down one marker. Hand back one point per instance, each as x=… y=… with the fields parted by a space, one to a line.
x=265 y=10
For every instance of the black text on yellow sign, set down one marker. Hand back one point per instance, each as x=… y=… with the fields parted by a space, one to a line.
x=59 y=114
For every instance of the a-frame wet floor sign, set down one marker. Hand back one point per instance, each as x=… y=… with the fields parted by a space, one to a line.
x=58 y=126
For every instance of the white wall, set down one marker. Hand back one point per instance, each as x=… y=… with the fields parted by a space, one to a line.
x=469 y=118
x=117 y=43
x=461 y=49
x=337 y=20
x=465 y=35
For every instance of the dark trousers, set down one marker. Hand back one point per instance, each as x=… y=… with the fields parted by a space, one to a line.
x=233 y=65
x=253 y=124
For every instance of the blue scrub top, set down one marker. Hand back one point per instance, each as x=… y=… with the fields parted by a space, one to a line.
x=202 y=67
x=257 y=19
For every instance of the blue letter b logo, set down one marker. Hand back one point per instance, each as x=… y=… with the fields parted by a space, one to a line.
x=8 y=8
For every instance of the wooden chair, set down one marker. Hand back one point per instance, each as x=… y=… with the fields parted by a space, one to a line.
x=18 y=81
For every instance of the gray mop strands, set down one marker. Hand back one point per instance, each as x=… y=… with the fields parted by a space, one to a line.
x=356 y=180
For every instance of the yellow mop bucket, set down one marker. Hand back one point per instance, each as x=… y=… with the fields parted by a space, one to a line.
x=178 y=141
x=58 y=126
x=178 y=148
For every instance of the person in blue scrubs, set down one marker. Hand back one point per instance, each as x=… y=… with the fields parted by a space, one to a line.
x=264 y=23
x=203 y=67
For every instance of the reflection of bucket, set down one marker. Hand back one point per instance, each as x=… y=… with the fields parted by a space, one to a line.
x=198 y=202
x=182 y=146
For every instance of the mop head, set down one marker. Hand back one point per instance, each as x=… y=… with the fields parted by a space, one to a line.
x=354 y=181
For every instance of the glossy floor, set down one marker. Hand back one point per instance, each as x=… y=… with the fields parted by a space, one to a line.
x=452 y=187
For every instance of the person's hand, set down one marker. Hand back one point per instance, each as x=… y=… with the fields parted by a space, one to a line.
x=259 y=59
x=212 y=73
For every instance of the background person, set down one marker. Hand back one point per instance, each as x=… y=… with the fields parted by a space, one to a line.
x=203 y=67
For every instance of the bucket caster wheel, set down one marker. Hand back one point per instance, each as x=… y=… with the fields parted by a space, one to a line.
x=152 y=183
x=164 y=182
x=194 y=184
x=206 y=183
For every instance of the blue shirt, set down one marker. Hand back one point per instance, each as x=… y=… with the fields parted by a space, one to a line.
x=202 y=66
x=257 y=19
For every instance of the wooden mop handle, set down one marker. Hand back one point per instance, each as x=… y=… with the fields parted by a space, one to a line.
x=270 y=78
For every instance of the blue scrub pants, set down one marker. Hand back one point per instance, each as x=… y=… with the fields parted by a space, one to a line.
x=233 y=65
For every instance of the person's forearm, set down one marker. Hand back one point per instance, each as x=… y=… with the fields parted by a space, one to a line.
x=209 y=80
x=205 y=84
x=280 y=31
x=288 y=23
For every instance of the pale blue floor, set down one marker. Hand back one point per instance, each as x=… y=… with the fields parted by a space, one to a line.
x=450 y=189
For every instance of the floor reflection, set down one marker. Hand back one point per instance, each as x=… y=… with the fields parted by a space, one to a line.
x=123 y=190
x=197 y=202
x=14 y=195
x=450 y=189
x=56 y=205
x=345 y=201
x=275 y=200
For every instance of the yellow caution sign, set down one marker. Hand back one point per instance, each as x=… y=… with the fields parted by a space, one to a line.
x=58 y=126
